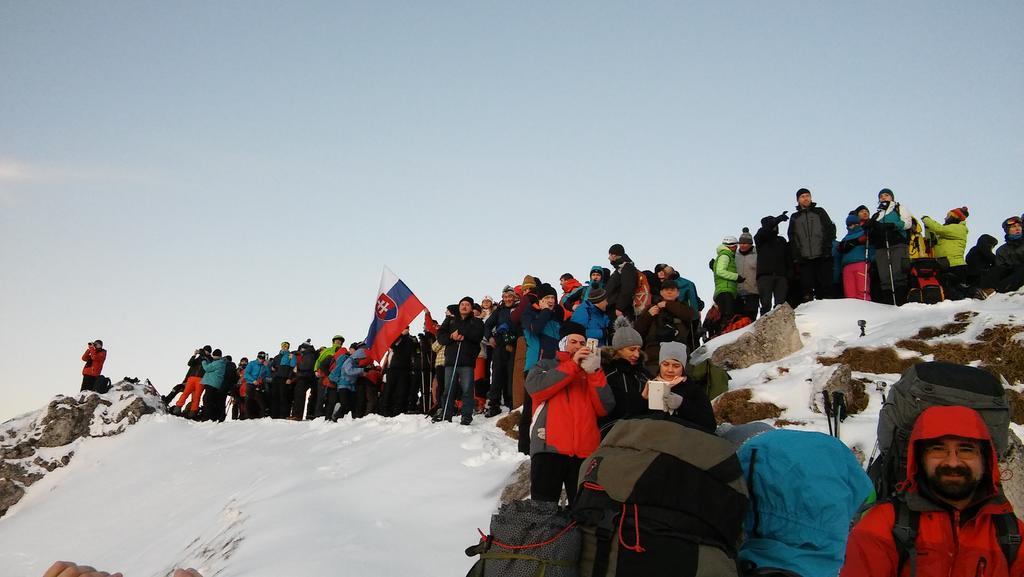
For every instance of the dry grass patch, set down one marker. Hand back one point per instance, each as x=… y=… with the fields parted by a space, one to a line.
x=875 y=361
x=789 y=423
x=1016 y=406
x=510 y=424
x=736 y=407
x=996 y=348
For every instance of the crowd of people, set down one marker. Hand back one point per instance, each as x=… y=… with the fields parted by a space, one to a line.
x=617 y=344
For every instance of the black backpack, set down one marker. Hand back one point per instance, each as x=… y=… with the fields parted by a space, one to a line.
x=528 y=538
x=924 y=385
x=102 y=385
x=659 y=497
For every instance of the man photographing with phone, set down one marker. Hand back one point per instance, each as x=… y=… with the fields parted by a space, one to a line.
x=569 y=392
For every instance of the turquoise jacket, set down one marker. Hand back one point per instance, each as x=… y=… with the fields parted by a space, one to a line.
x=805 y=489
x=593 y=319
x=214 y=376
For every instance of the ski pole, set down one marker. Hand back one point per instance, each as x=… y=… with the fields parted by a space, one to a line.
x=827 y=406
x=451 y=382
x=892 y=281
x=867 y=269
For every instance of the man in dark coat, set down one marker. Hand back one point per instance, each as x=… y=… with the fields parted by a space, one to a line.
x=396 y=390
x=811 y=233
x=460 y=335
x=622 y=283
x=773 y=262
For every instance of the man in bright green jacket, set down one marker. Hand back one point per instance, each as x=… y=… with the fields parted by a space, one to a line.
x=726 y=279
x=951 y=244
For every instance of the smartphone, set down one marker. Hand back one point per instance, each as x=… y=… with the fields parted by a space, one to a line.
x=592 y=345
x=656 y=395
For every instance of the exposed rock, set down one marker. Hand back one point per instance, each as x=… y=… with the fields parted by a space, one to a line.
x=67 y=419
x=518 y=487
x=833 y=379
x=770 y=338
x=10 y=493
x=61 y=423
x=1011 y=470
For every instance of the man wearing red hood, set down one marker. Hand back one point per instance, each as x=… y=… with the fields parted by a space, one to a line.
x=953 y=488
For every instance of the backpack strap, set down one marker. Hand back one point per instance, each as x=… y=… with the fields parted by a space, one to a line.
x=1008 y=536
x=904 y=534
x=753 y=495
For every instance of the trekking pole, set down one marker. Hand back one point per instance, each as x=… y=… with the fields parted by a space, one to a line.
x=827 y=407
x=867 y=269
x=838 y=408
x=451 y=382
x=892 y=280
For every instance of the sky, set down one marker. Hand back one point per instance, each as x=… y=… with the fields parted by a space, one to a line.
x=239 y=173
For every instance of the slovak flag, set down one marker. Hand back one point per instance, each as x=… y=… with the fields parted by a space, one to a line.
x=394 y=309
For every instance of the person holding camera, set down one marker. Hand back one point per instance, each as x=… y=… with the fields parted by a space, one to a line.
x=193 y=383
x=94 y=356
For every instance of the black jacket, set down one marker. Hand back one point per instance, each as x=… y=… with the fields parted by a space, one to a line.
x=772 y=250
x=621 y=287
x=472 y=329
x=402 y=351
x=980 y=258
x=811 y=232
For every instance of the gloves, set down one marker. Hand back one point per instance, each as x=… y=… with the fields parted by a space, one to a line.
x=783 y=217
x=888 y=226
x=844 y=246
x=672 y=401
x=869 y=224
x=591 y=363
x=741 y=279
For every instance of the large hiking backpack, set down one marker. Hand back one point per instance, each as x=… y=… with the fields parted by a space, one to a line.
x=658 y=497
x=716 y=378
x=642 y=294
x=528 y=539
x=924 y=385
x=102 y=384
x=928 y=287
x=920 y=243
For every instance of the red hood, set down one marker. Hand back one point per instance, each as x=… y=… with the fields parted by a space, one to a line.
x=570 y=285
x=958 y=421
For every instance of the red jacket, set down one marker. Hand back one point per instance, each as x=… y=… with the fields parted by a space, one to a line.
x=566 y=404
x=93 y=358
x=949 y=542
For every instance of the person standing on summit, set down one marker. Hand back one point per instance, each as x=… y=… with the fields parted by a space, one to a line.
x=621 y=283
x=95 y=355
x=811 y=233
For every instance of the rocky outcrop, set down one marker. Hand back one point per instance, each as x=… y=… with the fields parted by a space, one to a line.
x=32 y=445
x=518 y=486
x=772 y=337
x=1011 y=470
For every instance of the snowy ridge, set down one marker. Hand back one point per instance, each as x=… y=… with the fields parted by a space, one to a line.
x=370 y=497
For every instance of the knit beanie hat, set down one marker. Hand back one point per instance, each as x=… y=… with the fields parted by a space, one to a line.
x=529 y=282
x=508 y=289
x=745 y=237
x=729 y=240
x=617 y=250
x=216 y=353
x=467 y=299
x=597 y=295
x=546 y=290
x=886 y=191
x=571 y=328
x=625 y=335
x=1010 y=222
x=852 y=219
x=960 y=214
x=672 y=350
x=802 y=192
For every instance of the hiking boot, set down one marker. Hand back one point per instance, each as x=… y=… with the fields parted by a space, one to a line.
x=492 y=412
x=175 y=410
x=465 y=420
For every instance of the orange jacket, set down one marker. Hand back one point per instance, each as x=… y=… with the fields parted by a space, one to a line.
x=94 y=359
x=566 y=404
x=949 y=542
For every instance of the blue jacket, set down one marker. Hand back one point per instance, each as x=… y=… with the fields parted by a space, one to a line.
x=214 y=376
x=282 y=364
x=807 y=488
x=347 y=370
x=857 y=252
x=594 y=320
x=540 y=329
x=688 y=294
x=255 y=371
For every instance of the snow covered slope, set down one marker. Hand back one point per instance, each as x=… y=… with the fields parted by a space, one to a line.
x=367 y=498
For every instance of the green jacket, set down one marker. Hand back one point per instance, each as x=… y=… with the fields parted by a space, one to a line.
x=325 y=354
x=952 y=240
x=725 y=271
